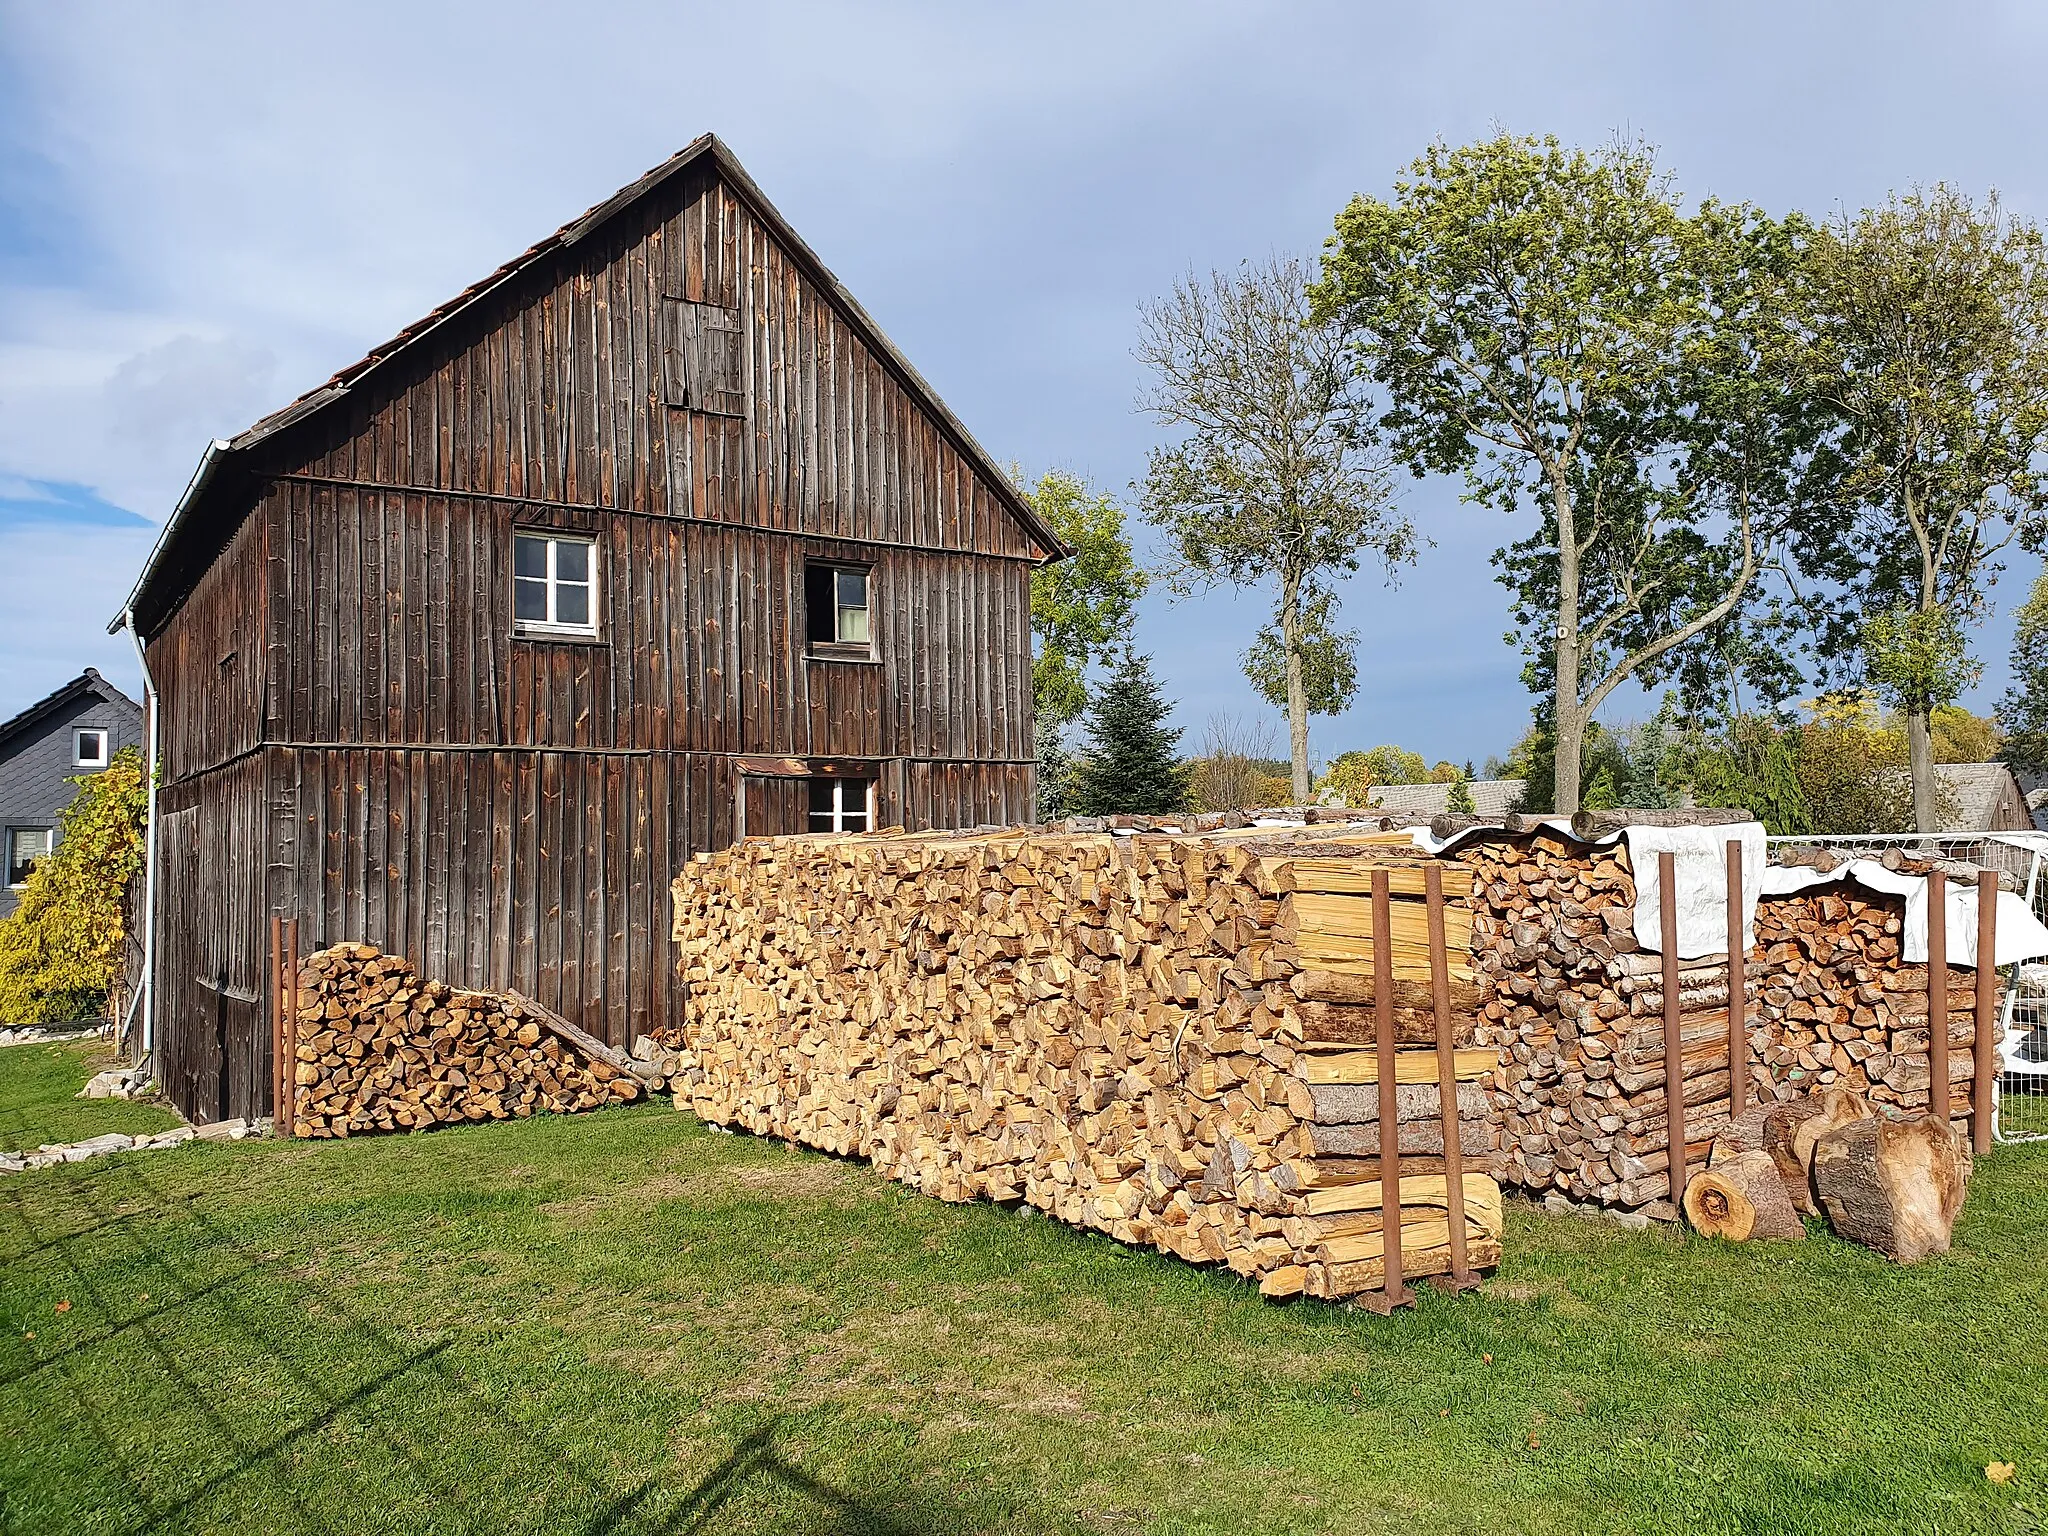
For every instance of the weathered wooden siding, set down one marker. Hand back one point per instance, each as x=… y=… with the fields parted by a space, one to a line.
x=392 y=624
x=553 y=391
x=209 y=665
x=212 y=1011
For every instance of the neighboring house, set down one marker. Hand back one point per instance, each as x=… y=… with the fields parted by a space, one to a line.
x=1985 y=797
x=76 y=730
x=647 y=541
x=1490 y=797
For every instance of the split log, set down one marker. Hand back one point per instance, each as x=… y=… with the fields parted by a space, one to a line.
x=1742 y=1198
x=379 y=1049
x=1120 y=1031
x=1893 y=1185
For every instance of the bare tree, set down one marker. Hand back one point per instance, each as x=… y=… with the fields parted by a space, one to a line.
x=1228 y=773
x=1275 y=480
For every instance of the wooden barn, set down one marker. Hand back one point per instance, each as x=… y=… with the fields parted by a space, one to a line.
x=647 y=541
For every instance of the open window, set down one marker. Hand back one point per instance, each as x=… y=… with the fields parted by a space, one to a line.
x=26 y=847
x=837 y=611
x=842 y=805
x=554 y=584
x=91 y=747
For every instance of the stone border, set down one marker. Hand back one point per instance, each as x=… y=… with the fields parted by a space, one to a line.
x=52 y=1153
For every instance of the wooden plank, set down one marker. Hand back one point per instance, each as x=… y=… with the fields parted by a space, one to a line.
x=1409 y=1066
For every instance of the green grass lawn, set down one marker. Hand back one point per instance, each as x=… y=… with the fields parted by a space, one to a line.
x=624 y=1322
x=39 y=1100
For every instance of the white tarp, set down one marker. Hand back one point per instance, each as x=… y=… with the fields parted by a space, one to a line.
x=1700 y=861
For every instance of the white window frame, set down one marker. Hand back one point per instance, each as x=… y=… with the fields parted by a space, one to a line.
x=839 y=811
x=49 y=847
x=78 y=757
x=551 y=625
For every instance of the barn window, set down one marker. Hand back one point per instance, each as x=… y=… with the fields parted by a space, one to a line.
x=841 y=805
x=836 y=609
x=554 y=584
x=26 y=846
x=89 y=748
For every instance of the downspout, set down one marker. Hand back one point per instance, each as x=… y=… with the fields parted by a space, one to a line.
x=150 y=703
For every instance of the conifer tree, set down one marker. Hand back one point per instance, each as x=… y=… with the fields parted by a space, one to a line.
x=1460 y=801
x=1133 y=765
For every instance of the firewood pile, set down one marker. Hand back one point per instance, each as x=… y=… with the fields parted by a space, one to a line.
x=1167 y=1038
x=379 y=1049
x=1576 y=1004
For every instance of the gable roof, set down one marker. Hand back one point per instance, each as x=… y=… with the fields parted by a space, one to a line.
x=1977 y=789
x=1490 y=797
x=87 y=682
x=223 y=454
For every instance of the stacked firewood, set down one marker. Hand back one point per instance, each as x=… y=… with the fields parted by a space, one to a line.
x=1162 y=1037
x=378 y=1049
x=1576 y=1009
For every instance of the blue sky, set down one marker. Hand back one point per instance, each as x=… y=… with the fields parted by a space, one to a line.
x=204 y=209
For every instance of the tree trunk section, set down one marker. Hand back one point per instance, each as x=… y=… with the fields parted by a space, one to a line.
x=1742 y=1198
x=1893 y=1185
x=1920 y=762
x=1570 y=721
x=1297 y=692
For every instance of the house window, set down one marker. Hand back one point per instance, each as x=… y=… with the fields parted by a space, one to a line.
x=89 y=748
x=842 y=805
x=836 y=609
x=554 y=584
x=25 y=847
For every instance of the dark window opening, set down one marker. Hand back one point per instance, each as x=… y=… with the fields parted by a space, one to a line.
x=841 y=805
x=89 y=749
x=836 y=609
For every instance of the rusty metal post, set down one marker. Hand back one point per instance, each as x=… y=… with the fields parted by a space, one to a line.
x=1984 y=1076
x=1393 y=1293
x=1461 y=1277
x=1738 y=989
x=1674 y=1058
x=291 y=1025
x=277 y=1061
x=1938 y=1102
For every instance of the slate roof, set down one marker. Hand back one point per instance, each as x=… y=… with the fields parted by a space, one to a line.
x=88 y=681
x=1490 y=797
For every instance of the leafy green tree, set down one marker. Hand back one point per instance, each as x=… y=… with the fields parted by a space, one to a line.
x=1271 y=481
x=1056 y=774
x=1132 y=765
x=1755 y=766
x=1328 y=660
x=1353 y=774
x=1549 y=325
x=1080 y=606
x=1445 y=772
x=1853 y=769
x=2023 y=712
x=61 y=947
x=1601 y=794
x=1962 y=737
x=1926 y=335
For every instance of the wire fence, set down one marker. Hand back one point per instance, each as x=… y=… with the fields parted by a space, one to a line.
x=2020 y=1094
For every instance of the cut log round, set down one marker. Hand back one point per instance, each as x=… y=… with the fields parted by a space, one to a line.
x=1742 y=1198
x=1893 y=1185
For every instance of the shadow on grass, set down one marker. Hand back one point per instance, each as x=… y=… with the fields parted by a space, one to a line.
x=252 y=1396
